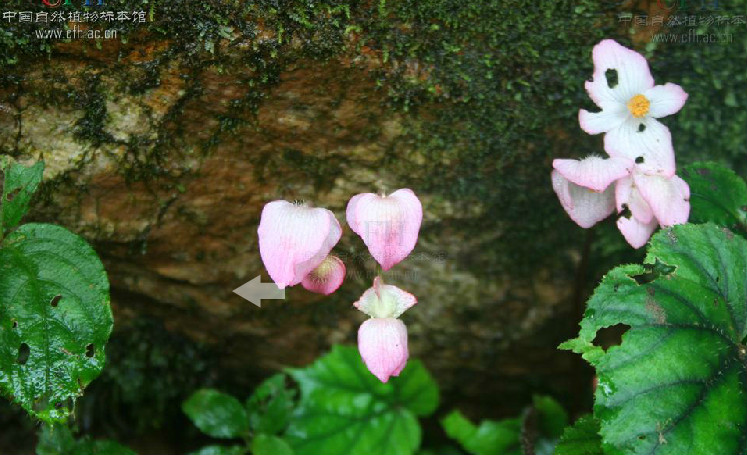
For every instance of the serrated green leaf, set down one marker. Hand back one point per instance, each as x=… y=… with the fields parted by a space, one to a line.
x=18 y=186
x=717 y=195
x=677 y=383
x=270 y=406
x=55 y=318
x=221 y=450
x=489 y=438
x=345 y=410
x=216 y=414
x=265 y=444
x=581 y=439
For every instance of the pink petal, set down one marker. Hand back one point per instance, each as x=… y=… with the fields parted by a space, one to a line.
x=584 y=206
x=326 y=278
x=669 y=198
x=384 y=300
x=388 y=225
x=593 y=172
x=611 y=116
x=383 y=346
x=294 y=240
x=636 y=232
x=650 y=145
x=665 y=99
x=633 y=74
x=626 y=194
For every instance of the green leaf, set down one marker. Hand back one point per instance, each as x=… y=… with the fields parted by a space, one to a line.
x=102 y=447
x=677 y=383
x=270 y=406
x=221 y=450
x=264 y=444
x=55 y=318
x=551 y=416
x=717 y=195
x=345 y=410
x=55 y=440
x=59 y=440
x=489 y=438
x=217 y=414
x=581 y=439
x=18 y=185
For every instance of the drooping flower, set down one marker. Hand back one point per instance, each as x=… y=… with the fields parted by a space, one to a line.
x=327 y=277
x=382 y=340
x=294 y=239
x=384 y=300
x=643 y=201
x=584 y=186
x=630 y=103
x=646 y=201
x=382 y=343
x=388 y=225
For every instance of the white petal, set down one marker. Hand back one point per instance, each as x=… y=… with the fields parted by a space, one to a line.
x=584 y=206
x=611 y=116
x=594 y=172
x=626 y=194
x=633 y=74
x=665 y=99
x=669 y=198
x=635 y=232
x=645 y=141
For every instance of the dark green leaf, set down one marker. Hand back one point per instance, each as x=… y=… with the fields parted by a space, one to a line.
x=217 y=414
x=270 y=406
x=551 y=416
x=221 y=450
x=102 y=447
x=345 y=410
x=264 y=444
x=19 y=184
x=59 y=440
x=677 y=383
x=717 y=195
x=55 y=440
x=581 y=439
x=489 y=438
x=55 y=318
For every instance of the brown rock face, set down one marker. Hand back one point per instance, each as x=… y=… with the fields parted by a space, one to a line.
x=170 y=194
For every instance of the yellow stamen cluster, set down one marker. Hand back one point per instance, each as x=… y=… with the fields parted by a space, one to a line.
x=639 y=106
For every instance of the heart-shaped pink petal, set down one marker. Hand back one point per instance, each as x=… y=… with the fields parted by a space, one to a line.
x=295 y=239
x=388 y=225
x=382 y=343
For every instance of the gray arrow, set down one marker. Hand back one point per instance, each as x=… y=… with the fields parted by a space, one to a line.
x=255 y=290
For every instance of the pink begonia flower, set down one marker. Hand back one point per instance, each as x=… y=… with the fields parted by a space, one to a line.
x=326 y=278
x=651 y=200
x=382 y=343
x=388 y=225
x=584 y=186
x=382 y=340
x=630 y=104
x=294 y=239
x=384 y=300
x=643 y=201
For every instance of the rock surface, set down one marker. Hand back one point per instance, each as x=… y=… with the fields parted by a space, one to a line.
x=163 y=156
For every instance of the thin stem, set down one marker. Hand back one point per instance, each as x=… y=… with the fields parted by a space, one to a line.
x=581 y=371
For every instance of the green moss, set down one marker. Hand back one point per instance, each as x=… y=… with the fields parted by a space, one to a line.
x=488 y=93
x=711 y=126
